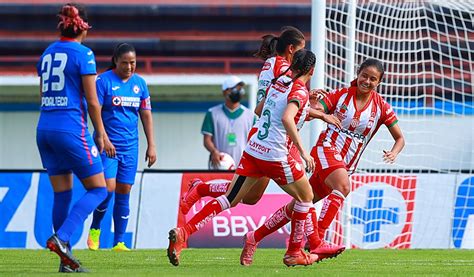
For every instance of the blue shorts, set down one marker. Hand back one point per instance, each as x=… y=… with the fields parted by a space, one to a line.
x=123 y=166
x=62 y=153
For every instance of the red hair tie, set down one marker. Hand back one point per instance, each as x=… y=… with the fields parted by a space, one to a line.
x=69 y=16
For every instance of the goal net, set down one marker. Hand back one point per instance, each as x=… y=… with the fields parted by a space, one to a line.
x=427 y=48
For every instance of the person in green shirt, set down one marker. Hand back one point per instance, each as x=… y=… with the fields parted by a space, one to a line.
x=226 y=126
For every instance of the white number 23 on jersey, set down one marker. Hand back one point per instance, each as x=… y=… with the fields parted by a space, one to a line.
x=49 y=71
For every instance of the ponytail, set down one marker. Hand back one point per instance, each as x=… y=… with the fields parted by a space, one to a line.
x=267 y=48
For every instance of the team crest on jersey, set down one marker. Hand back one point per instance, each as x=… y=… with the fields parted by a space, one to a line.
x=116 y=100
x=266 y=66
x=355 y=122
x=136 y=89
x=94 y=151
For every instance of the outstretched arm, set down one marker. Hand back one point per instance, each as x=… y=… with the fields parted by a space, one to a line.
x=328 y=118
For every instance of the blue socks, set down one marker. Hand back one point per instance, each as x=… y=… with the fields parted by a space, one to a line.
x=121 y=215
x=100 y=211
x=79 y=212
x=62 y=201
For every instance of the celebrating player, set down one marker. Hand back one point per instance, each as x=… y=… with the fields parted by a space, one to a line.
x=267 y=154
x=123 y=95
x=277 y=52
x=337 y=152
x=67 y=71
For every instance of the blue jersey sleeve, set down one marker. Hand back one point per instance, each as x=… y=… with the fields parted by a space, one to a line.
x=145 y=97
x=101 y=90
x=87 y=64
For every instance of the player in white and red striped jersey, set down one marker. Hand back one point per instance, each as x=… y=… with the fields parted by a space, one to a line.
x=277 y=52
x=361 y=111
x=267 y=154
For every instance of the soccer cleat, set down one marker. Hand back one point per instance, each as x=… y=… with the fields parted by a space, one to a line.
x=327 y=251
x=93 y=239
x=250 y=246
x=61 y=248
x=120 y=247
x=177 y=239
x=190 y=197
x=66 y=269
x=299 y=258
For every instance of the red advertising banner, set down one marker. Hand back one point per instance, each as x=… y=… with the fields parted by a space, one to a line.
x=228 y=228
x=380 y=214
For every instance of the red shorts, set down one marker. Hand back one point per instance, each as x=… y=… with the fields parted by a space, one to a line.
x=327 y=159
x=282 y=172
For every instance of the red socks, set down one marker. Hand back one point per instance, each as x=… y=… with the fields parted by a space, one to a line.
x=212 y=190
x=278 y=219
x=211 y=209
x=329 y=210
x=311 y=229
x=298 y=220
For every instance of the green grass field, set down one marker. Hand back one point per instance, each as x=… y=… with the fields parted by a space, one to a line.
x=218 y=262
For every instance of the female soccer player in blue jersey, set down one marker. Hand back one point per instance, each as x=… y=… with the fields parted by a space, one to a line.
x=67 y=73
x=123 y=95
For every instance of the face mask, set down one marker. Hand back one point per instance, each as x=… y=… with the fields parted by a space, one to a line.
x=236 y=94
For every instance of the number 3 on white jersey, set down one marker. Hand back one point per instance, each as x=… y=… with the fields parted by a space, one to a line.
x=57 y=71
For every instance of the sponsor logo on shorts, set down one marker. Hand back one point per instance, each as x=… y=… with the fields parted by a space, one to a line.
x=94 y=151
x=338 y=157
x=298 y=166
